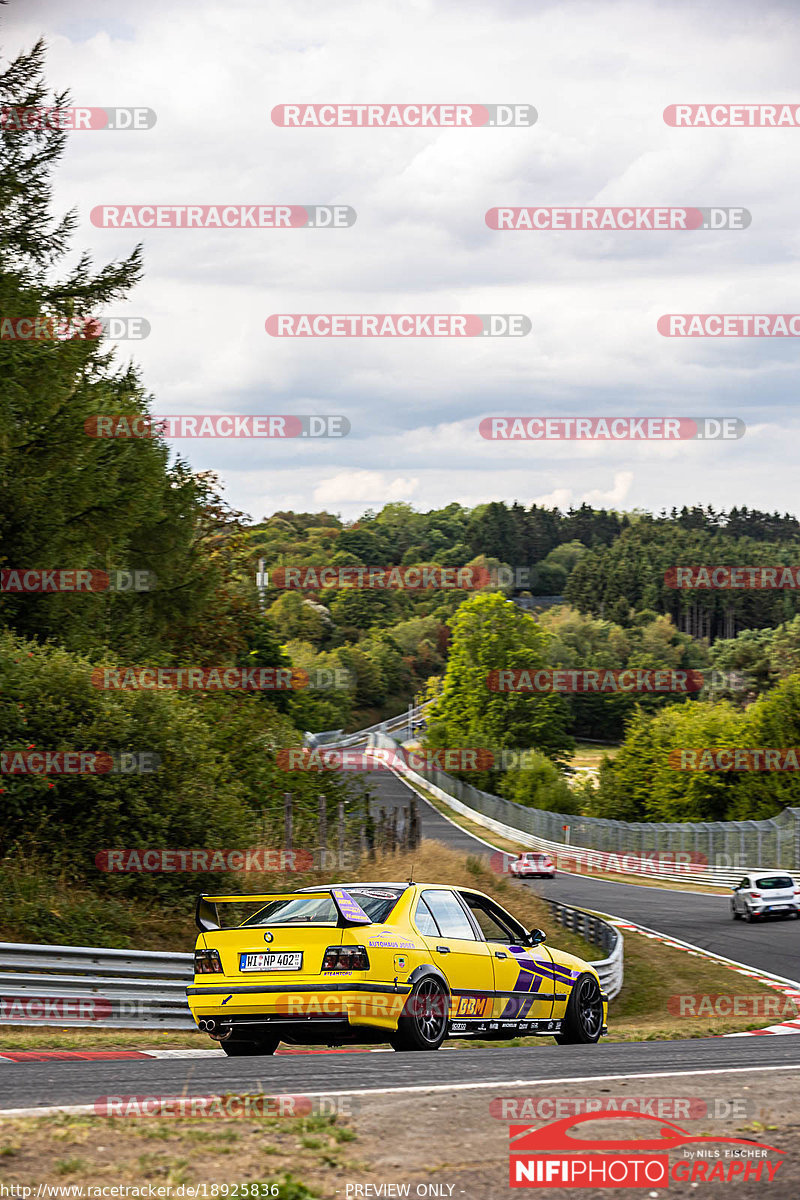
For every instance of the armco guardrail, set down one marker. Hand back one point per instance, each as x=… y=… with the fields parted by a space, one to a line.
x=82 y=985
x=597 y=931
x=335 y=737
x=79 y=986
x=676 y=866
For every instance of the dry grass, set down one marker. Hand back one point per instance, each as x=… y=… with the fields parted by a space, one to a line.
x=306 y=1156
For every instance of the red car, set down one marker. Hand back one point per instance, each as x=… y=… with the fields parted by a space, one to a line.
x=533 y=863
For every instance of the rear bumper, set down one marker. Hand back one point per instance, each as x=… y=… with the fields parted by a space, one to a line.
x=779 y=907
x=344 y=1004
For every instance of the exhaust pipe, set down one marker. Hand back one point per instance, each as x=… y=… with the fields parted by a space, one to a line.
x=216 y=1030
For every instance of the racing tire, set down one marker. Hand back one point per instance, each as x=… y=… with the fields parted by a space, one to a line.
x=423 y=1023
x=748 y=915
x=736 y=916
x=248 y=1049
x=583 y=1021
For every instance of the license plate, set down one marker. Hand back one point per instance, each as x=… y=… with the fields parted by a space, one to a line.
x=273 y=960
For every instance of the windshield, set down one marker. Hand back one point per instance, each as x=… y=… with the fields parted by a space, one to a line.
x=321 y=910
x=773 y=882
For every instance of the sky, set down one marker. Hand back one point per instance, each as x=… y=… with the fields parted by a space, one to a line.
x=599 y=75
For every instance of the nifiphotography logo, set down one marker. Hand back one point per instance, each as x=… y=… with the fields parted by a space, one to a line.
x=549 y=1157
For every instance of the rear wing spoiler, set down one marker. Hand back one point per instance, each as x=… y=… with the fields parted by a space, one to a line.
x=206 y=915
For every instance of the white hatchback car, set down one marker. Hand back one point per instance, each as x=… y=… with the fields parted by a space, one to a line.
x=762 y=893
x=533 y=863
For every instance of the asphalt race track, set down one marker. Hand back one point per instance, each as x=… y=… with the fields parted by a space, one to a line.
x=31 y=1084
x=703 y=920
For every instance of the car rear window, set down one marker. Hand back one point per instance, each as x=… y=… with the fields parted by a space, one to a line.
x=321 y=910
x=774 y=882
x=308 y=910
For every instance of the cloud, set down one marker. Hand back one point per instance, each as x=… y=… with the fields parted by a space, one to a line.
x=367 y=487
x=600 y=77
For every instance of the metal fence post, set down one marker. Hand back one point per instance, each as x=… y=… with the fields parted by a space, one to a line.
x=323 y=831
x=287 y=820
x=340 y=839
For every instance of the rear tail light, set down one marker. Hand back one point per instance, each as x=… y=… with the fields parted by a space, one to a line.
x=207 y=962
x=345 y=958
x=756 y=895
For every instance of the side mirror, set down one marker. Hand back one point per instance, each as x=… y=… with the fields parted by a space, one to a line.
x=206 y=917
x=536 y=936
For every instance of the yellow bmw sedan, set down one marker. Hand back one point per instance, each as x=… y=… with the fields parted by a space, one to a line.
x=404 y=963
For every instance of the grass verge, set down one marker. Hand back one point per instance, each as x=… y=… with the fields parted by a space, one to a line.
x=304 y=1157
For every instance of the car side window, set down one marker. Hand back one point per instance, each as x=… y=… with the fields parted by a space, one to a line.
x=449 y=915
x=423 y=919
x=493 y=928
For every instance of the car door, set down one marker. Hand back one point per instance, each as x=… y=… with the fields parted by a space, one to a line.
x=524 y=977
x=455 y=948
x=739 y=894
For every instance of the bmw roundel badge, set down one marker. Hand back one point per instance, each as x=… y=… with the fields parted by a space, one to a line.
x=267 y=936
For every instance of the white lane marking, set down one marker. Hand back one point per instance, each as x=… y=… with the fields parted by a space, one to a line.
x=184 y=1053
x=83 y=1110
